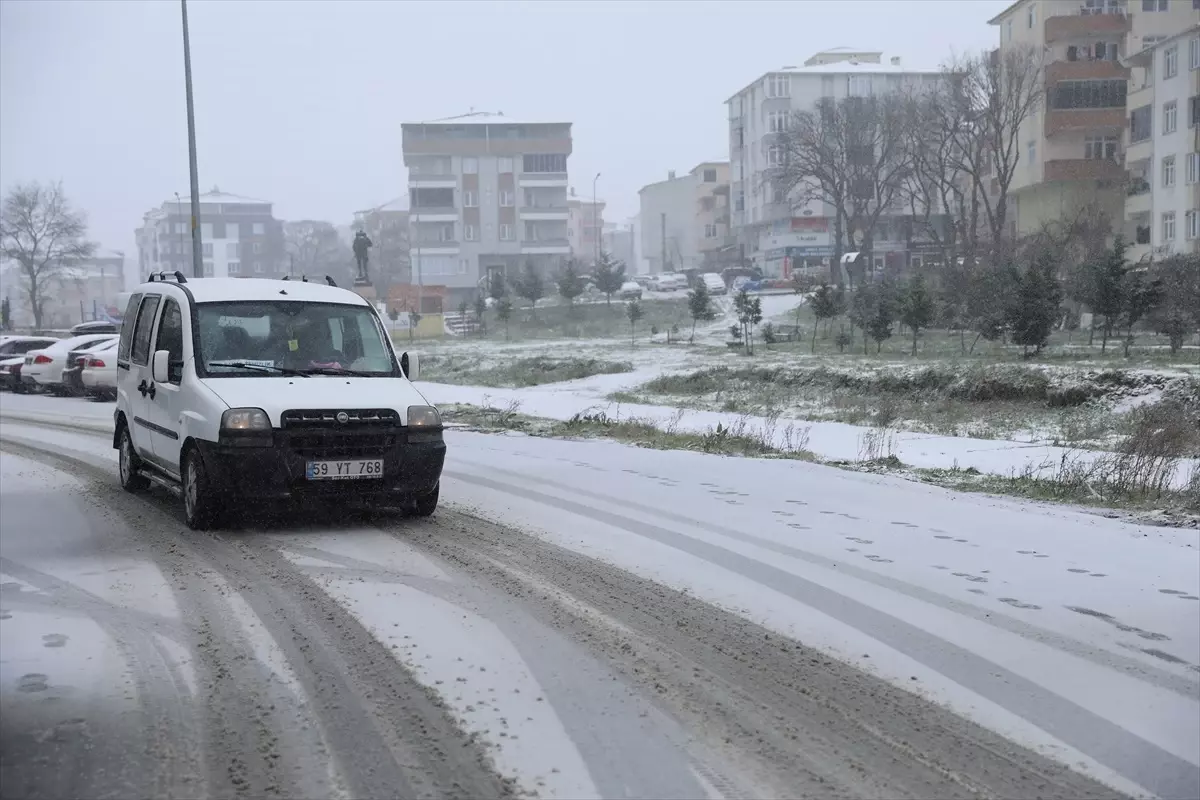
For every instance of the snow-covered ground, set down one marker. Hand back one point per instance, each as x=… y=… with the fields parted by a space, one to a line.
x=1075 y=635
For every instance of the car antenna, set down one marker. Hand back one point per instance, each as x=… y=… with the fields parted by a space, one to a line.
x=330 y=281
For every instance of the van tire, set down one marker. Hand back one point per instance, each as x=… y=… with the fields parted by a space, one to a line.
x=200 y=509
x=424 y=505
x=130 y=465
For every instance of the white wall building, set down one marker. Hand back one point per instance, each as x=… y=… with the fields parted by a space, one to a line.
x=1162 y=206
x=770 y=228
x=690 y=213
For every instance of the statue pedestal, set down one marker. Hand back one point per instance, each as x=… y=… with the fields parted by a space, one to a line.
x=366 y=291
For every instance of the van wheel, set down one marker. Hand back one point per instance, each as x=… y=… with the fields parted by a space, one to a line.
x=424 y=505
x=131 y=478
x=199 y=501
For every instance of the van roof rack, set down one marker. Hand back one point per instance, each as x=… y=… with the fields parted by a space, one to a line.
x=162 y=276
x=330 y=281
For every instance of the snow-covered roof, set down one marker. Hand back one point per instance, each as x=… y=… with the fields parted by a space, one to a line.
x=395 y=204
x=215 y=196
x=487 y=118
x=216 y=290
x=845 y=68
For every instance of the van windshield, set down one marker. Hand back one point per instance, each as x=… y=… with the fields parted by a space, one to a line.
x=277 y=338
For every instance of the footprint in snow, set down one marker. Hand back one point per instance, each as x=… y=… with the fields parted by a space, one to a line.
x=54 y=640
x=1078 y=571
x=851 y=549
x=939 y=566
x=977 y=591
x=828 y=513
x=1015 y=603
x=971 y=578
x=783 y=513
x=858 y=540
x=799 y=527
x=879 y=559
x=851 y=516
x=904 y=524
x=796 y=502
x=943 y=537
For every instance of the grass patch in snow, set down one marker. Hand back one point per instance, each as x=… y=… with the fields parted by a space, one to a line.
x=588 y=320
x=524 y=372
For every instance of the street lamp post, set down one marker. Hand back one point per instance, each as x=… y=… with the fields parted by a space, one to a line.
x=596 y=218
x=197 y=249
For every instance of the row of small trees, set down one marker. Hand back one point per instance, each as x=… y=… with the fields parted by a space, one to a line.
x=1024 y=301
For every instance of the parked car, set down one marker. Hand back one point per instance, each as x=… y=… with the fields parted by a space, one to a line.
x=44 y=368
x=714 y=284
x=243 y=392
x=99 y=374
x=671 y=281
x=99 y=326
x=630 y=291
x=12 y=354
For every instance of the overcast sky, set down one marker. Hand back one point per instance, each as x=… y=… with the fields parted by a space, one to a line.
x=301 y=102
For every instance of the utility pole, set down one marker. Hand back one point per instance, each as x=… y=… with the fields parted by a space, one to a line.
x=197 y=249
x=596 y=219
x=663 y=266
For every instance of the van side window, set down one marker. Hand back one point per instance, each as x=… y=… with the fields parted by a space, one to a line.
x=145 y=327
x=170 y=338
x=127 y=328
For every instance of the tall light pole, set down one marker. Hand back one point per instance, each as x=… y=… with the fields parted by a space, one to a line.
x=596 y=218
x=179 y=212
x=197 y=249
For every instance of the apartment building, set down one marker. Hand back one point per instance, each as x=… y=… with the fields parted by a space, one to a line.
x=774 y=232
x=240 y=237
x=1072 y=148
x=1162 y=156
x=487 y=194
x=620 y=242
x=585 y=227
x=684 y=220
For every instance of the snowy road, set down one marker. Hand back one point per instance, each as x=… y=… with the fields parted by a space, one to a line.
x=585 y=620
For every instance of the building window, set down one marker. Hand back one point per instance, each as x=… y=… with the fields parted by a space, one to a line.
x=775 y=156
x=206 y=250
x=1194 y=51
x=1088 y=94
x=1168 y=226
x=1191 y=224
x=1154 y=5
x=445 y=232
x=470 y=165
x=1009 y=29
x=544 y=162
x=235 y=267
x=504 y=164
x=233 y=250
x=779 y=86
x=1170 y=116
x=257 y=248
x=1141 y=124
x=1171 y=61
x=468 y=233
x=1031 y=17
x=1168 y=171
x=470 y=199
x=1194 y=111
x=231 y=230
x=258 y=266
x=859 y=86
x=506 y=197
x=1031 y=148
x=208 y=269
x=777 y=122
x=259 y=229
x=1193 y=168
x=710 y=231
x=1100 y=147
x=506 y=232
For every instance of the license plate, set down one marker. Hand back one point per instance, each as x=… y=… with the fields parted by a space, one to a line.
x=344 y=470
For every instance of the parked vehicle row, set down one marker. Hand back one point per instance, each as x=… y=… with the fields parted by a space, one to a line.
x=57 y=366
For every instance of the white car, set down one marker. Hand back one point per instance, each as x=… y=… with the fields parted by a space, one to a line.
x=241 y=392
x=713 y=283
x=12 y=354
x=45 y=367
x=630 y=290
x=670 y=282
x=100 y=371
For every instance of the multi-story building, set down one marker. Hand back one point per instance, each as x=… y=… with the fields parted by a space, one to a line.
x=1071 y=148
x=619 y=242
x=1162 y=156
x=684 y=220
x=585 y=226
x=487 y=195
x=240 y=237
x=775 y=232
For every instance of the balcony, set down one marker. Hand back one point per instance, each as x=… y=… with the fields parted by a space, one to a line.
x=432 y=181
x=1083 y=26
x=1138 y=196
x=535 y=179
x=434 y=214
x=1083 y=169
x=415 y=144
x=1092 y=120
x=545 y=213
x=1139 y=151
x=546 y=247
x=1084 y=70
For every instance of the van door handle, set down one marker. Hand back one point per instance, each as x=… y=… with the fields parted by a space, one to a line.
x=142 y=388
x=150 y=390
x=146 y=388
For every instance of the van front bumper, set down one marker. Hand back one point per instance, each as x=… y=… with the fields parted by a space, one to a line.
x=277 y=471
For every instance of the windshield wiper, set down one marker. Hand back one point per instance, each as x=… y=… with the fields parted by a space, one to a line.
x=354 y=373
x=260 y=367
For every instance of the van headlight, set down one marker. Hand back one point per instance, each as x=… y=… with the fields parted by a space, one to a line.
x=245 y=419
x=424 y=418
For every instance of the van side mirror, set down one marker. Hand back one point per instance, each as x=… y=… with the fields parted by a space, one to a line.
x=160 y=365
x=410 y=365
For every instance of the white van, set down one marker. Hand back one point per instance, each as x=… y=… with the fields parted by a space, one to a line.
x=239 y=392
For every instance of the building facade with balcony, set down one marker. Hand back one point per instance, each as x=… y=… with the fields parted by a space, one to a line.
x=684 y=220
x=1162 y=202
x=1072 y=148
x=240 y=237
x=774 y=232
x=487 y=195
x=585 y=227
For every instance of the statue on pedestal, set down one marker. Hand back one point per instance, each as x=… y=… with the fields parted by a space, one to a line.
x=362 y=243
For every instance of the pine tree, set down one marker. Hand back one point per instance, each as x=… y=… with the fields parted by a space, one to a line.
x=824 y=304
x=699 y=306
x=480 y=312
x=1036 y=305
x=504 y=309
x=530 y=286
x=916 y=307
x=633 y=312
x=608 y=276
x=570 y=284
x=1105 y=287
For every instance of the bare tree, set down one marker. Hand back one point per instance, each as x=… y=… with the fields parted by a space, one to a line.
x=42 y=233
x=849 y=153
x=991 y=96
x=315 y=248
